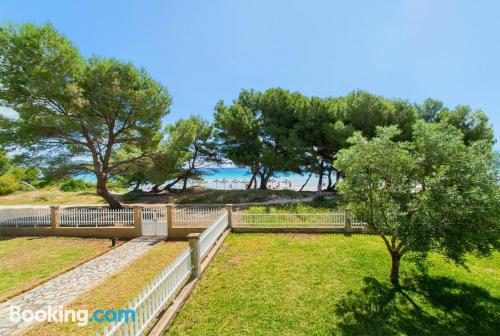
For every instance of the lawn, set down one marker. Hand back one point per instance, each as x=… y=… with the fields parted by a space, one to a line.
x=115 y=291
x=296 y=284
x=28 y=261
x=52 y=196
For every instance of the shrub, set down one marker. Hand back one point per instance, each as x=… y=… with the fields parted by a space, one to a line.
x=75 y=185
x=8 y=184
x=320 y=200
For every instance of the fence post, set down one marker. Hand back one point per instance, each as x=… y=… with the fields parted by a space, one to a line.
x=170 y=218
x=54 y=216
x=138 y=219
x=347 y=222
x=229 y=208
x=194 y=243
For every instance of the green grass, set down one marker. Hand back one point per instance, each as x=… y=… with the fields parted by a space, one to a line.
x=291 y=284
x=28 y=261
x=300 y=208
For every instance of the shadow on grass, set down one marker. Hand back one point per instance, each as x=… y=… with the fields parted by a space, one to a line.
x=421 y=306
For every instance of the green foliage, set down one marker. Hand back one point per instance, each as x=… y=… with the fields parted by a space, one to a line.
x=5 y=162
x=28 y=174
x=365 y=112
x=8 y=184
x=189 y=145
x=278 y=130
x=257 y=131
x=72 y=184
x=238 y=130
x=435 y=193
x=430 y=109
x=474 y=125
x=71 y=108
x=31 y=174
x=191 y=141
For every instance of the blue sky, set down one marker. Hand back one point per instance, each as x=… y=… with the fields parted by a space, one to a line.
x=204 y=51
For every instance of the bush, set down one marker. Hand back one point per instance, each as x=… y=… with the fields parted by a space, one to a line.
x=8 y=184
x=320 y=200
x=75 y=185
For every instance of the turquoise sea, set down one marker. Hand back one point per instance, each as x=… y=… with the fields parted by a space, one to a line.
x=236 y=178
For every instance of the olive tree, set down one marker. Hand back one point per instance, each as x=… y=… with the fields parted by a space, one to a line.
x=434 y=193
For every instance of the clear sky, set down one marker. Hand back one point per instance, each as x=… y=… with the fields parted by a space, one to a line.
x=204 y=51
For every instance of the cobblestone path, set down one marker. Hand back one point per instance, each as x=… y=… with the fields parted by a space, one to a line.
x=69 y=285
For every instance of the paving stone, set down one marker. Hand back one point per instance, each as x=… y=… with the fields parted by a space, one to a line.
x=69 y=285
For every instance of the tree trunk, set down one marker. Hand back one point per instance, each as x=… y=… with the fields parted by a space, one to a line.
x=102 y=190
x=263 y=181
x=301 y=188
x=171 y=184
x=156 y=188
x=184 y=184
x=249 y=185
x=137 y=185
x=394 y=277
x=330 y=181
x=320 y=177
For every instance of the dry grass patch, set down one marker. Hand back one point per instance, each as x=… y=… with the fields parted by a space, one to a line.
x=28 y=261
x=115 y=291
x=52 y=196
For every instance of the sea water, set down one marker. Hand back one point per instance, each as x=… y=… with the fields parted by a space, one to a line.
x=237 y=178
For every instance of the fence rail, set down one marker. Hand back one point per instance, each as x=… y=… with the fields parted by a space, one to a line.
x=155 y=218
x=152 y=299
x=195 y=216
x=19 y=217
x=209 y=237
x=158 y=293
x=96 y=217
x=331 y=219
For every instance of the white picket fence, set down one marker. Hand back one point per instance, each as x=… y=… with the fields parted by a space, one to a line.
x=15 y=216
x=209 y=237
x=328 y=219
x=195 y=216
x=18 y=216
x=152 y=299
x=357 y=224
x=161 y=291
x=95 y=217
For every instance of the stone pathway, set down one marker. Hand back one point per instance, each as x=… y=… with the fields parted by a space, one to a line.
x=68 y=286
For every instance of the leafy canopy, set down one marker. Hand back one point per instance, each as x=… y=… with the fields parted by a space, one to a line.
x=434 y=193
x=74 y=113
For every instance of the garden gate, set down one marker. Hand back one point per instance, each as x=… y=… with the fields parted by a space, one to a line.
x=154 y=222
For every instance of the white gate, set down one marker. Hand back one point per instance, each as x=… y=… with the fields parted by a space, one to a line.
x=154 y=222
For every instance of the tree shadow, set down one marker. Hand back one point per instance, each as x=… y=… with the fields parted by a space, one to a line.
x=421 y=306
